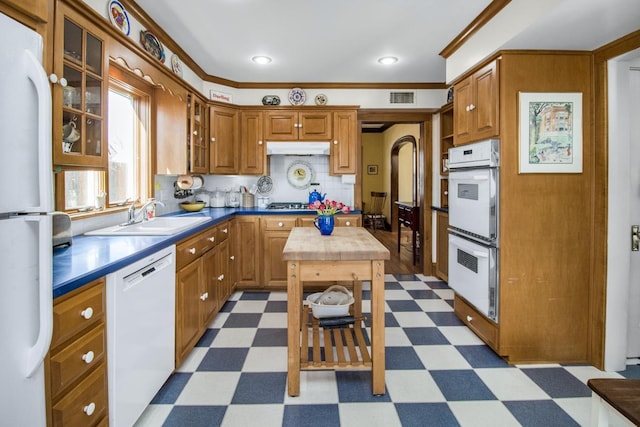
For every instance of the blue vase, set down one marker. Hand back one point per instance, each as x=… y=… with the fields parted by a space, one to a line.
x=325 y=224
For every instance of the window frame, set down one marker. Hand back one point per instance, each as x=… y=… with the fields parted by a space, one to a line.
x=143 y=92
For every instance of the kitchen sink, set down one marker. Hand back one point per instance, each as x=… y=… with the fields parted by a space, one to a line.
x=160 y=226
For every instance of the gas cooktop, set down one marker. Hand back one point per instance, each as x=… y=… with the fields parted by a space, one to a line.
x=288 y=205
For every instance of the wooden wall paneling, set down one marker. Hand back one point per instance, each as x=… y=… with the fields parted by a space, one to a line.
x=545 y=226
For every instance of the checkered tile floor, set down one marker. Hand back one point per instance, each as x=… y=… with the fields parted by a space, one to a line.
x=438 y=373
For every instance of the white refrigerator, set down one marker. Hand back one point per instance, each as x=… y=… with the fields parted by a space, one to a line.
x=26 y=198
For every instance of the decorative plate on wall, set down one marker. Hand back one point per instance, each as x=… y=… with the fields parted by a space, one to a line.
x=300 y=174
x=321 y=99
x=265 y=185
x=297 y=96
x=151 y=44
x=118 y=16
x=176 y=65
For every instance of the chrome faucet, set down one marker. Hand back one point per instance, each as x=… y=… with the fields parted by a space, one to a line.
x=142 y=215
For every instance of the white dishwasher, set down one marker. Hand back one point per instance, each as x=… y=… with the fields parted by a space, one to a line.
x=140 y=334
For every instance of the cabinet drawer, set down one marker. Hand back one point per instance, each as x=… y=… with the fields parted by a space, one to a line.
x=347 y=221
x=483 y=327
x=279 y=223
x=223 y=232
x=86 y=404
x=210 y=237
x=75 y=360
x=193 y=248
x=78 y=312
x=306 y=221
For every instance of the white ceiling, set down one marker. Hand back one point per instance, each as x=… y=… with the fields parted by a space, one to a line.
x=340 y=41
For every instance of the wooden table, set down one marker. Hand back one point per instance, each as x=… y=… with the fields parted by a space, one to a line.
x=348 y=254
x=409 y=215
x=621 y=394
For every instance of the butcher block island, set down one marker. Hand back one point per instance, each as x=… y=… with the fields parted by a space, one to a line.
x=348 y=254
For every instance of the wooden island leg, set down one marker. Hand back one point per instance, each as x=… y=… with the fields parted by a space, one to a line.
x=294 y=312
x=377 y=326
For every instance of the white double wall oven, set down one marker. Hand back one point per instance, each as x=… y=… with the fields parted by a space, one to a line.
x=473 y=224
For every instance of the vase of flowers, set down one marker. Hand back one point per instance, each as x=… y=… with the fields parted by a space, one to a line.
x=326 y=210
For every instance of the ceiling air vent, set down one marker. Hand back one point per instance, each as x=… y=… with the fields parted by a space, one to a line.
x=402 y=97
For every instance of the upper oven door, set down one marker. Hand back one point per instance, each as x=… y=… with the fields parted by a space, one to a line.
x=473 y=202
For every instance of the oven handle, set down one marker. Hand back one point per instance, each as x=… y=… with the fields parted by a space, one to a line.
x=459 y=243
x=452 y=177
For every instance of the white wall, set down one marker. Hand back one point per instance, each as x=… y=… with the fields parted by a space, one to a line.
x=509 y=22
x=618 y=257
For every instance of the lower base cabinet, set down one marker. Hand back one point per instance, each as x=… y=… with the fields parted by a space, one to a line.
x=202 y=285
x=275 y=232
x=76 y=366
x=483 y=327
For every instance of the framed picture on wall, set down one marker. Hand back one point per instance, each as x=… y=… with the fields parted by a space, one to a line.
x=550 y=131
x=372 y=169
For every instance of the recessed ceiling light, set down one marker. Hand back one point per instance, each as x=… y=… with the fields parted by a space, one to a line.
x=388 y=60
x=261 y=59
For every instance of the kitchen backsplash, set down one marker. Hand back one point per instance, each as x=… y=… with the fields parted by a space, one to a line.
x=337 y=188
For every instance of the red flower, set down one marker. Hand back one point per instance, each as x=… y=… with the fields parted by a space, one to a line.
x=329 y=207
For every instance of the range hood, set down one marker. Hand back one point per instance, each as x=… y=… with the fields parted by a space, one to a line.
x=297 y=148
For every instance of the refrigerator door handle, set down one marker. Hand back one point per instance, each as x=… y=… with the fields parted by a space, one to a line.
x=36 y=74
x=36 y=354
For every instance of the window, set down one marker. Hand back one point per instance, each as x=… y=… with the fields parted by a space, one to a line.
x=128 y=175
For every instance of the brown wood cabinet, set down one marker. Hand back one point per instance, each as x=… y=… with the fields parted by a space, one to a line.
x=79 y=108
x=344 y=145
x=198 y=138
x=442 y=245
x=248 y=250
x=75 y=368
x=291 y=125
x=253 y=158
x=275 y=233
x=224 y=133
x=171 y=130
x=545 y=263
x=201 y=285
x=446 y=136
x=476 y=105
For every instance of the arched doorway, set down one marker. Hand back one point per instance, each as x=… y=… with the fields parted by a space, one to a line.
x=404 y=175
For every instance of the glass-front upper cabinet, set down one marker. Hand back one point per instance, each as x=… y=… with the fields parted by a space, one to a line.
x=79 y=120
x=197 y=139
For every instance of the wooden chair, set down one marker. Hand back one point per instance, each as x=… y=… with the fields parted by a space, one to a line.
x=373 y=217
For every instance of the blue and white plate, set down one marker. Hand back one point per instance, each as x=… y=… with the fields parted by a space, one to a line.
x=297 y=96
x=118 y=16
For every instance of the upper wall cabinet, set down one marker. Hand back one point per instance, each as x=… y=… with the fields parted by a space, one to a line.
x=283 y=125
x=79 y=112
x=224 y=158
x=171 y=130
x=198 y=138
x=344 y=143
x=252 y=147
x=475 y=106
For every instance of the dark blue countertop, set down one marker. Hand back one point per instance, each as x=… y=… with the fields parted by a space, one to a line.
x=92 y=257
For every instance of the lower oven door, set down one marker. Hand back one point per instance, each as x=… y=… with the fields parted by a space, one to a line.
x=473 y=201
x=473 y=274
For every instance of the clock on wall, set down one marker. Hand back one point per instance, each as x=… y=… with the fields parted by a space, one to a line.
x=300 y=174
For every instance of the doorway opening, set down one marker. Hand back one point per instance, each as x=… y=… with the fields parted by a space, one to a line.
x=387 y=140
